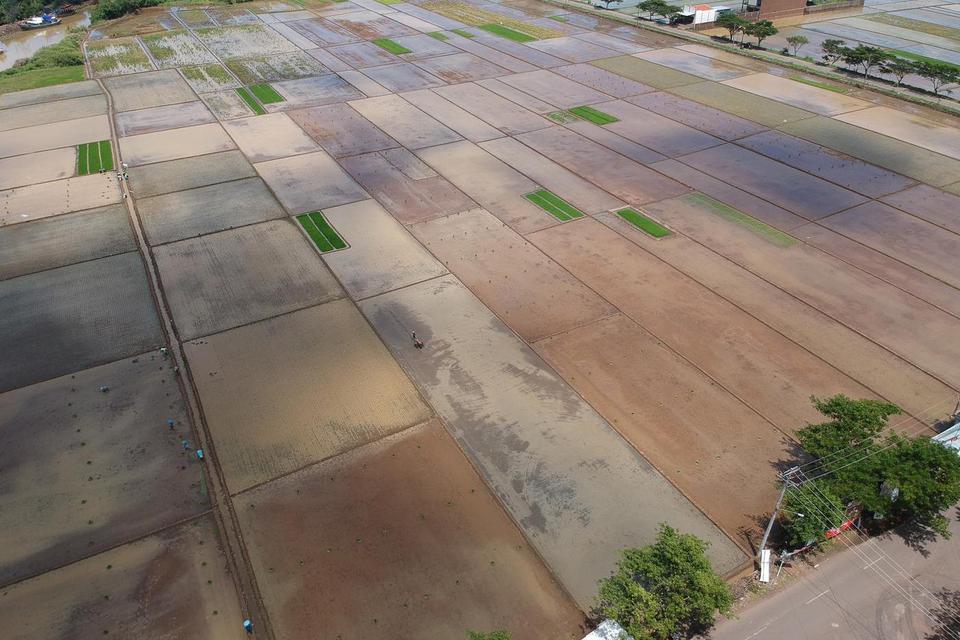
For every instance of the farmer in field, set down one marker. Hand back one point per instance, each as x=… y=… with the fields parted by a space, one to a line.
x=417 y=342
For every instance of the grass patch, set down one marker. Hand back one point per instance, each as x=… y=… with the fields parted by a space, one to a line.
x=251 y=101
x=438 y=35
x=593 y=115
x=819 y=85
x=40 y=78
x=463 y=33
x=119 y=56
x=390 y=1
x=391 y=46
x=218 y=73
x=265 y=93
x=558 y=18
x=320 y=232
x=94 y=156
x=563 y=117
x=57 y=64
x=916 y=57
x=642 y=222
x=762 y=229
x=506 y=32
x=554 y=205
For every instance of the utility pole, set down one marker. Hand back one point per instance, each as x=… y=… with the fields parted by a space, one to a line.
x=785 y=477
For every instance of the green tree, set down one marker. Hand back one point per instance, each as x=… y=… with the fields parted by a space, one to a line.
x=898 y=68
x=796 y=43
x=493 y=635
x=938 y=74
x=667 y=11
x=893 y=477
x=853 y=423
x=650 y=7
x=109 y=9
x=761 y=30
x=809 y=511
x=732 y=23
x=865 y=57
x=666 y=590
x=832 y=50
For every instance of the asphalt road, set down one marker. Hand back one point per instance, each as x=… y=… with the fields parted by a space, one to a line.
x=848 y=596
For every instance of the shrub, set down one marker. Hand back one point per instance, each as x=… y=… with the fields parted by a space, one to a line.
x=110 y=9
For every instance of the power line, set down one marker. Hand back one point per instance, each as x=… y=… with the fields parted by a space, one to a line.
x=848 y=452
x=808 y=501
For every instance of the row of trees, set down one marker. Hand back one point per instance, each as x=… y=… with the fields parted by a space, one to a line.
x=865 y=59
x=734 y=24
x=658 y=8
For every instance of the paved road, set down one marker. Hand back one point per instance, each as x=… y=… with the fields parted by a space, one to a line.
x=846 y=598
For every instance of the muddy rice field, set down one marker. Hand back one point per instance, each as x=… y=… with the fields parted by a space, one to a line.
x=372 y=323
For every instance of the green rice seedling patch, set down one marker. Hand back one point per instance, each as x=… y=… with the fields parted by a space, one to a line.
x=819 y=85
x=593 y=115
x=916 y=57
x=266 y=94
x=94 y=156
x=320 y=232
x=647 y=225
x=463 y=33
x=391 y=46
x=563 y=117
x=438 y=35
x=82 y=159
x=554 y=205
x=761 y=229
x=506 y=32
x=558 y=18
x=251 y=101
x=106 y=155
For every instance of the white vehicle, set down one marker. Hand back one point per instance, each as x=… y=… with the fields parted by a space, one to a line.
x=614 y=4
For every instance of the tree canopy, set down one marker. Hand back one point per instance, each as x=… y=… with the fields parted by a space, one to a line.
x=666 y=590
x=761 y=30
x=938 y=73
x=731 y=22
x=796 y=42
x=832 y=50
x=893 y=477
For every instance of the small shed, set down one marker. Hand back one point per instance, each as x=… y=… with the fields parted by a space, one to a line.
x=608 y=630
x=950 y=437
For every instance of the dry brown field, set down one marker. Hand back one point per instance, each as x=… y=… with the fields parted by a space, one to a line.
x=439 y=379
